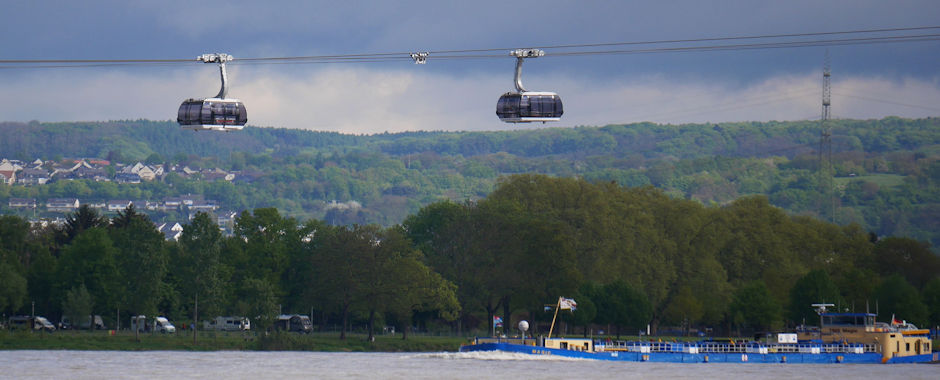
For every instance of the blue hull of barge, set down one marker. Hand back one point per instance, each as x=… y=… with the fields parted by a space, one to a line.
x=681 y=357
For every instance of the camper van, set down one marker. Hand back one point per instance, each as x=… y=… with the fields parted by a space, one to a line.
x=227 y=324
x=159 y=324
x=293 y=323
x=95 y=323
x=35 y=323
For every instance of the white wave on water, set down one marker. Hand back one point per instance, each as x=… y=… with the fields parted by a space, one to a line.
x=493 y=356
x=236 y=365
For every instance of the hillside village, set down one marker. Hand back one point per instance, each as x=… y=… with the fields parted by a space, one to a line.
x=53 y=210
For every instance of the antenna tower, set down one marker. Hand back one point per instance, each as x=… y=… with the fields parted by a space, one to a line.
x=827 y=202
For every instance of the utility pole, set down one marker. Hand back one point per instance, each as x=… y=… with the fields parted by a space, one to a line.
x=195 y=316
x=827 y=203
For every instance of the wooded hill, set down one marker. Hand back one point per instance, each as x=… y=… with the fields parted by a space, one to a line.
x=886 y=171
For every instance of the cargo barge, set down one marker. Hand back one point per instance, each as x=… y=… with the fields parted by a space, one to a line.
x=840 y=338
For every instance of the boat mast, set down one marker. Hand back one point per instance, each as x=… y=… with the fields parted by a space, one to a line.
x=558 y=306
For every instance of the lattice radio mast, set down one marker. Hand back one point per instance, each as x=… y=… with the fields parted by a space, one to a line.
x=826 y=195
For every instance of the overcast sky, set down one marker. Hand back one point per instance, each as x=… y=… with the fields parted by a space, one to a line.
x=868 y=81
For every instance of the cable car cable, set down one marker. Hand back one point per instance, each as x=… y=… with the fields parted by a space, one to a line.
x=459 y=54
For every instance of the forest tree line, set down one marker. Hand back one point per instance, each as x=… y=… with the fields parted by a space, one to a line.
x=630 y=256
x=887 y=171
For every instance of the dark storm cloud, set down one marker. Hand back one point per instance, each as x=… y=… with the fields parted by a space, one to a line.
x=664 y=87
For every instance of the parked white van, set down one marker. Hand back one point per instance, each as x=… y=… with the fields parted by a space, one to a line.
x=163 y=325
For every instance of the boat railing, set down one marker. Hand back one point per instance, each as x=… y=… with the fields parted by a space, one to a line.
x=733 y=347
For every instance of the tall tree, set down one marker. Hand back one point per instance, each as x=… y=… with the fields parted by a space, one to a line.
x=268 y=238
x=458 y=241
x=142 y=256
x=12 y=289
x=814 y=287
x=78 y=306
x=394 y=279
x=907 y=257
x=897 y=297
x=201 y=271
x=90 y=261
x=82 y=219
x=337 y=270
x=931 y=296
x=624 y=307
x=754 y=307
x=261 y=298
x=684 y=309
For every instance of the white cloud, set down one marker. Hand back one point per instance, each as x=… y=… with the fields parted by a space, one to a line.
x=361 y=99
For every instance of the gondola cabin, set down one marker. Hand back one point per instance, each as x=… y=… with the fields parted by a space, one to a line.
x=212 y=114
x=218 y=113
x=529 y=107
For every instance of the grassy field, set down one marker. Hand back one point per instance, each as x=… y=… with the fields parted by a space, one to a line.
x=212 y=341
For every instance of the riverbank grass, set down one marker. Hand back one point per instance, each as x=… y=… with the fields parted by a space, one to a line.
x=215 y=341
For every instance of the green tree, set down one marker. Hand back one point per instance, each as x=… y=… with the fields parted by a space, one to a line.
x=78 y=306
x=624 y=307
x=142 y=257
x=261 y=298
x=858 y=286
x=200 y=267
x=814 y=287
x=90 y=261
x=337 y=273
x=900 y=299
x=82 y=219
x=12 y=289
x=907 y=257
x=585 y=314
x=14 y=239
x=268 y=239
x=754 y=307
x=931 y=296
x=684 y=309
x=454 y=240
x=43 y=281
x=395 y=280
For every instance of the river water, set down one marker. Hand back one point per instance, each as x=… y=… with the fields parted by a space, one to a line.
x=231 y=365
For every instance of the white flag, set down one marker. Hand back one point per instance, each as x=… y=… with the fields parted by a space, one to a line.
x=567 y=304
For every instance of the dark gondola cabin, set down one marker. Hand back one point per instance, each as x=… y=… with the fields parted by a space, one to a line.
x=529 y=107
x=218 y=113
x=212 y=114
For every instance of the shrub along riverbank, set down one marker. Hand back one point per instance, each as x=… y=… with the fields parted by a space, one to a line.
x=214 y=341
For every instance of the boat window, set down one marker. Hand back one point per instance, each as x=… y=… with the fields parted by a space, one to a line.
x=849 y=320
